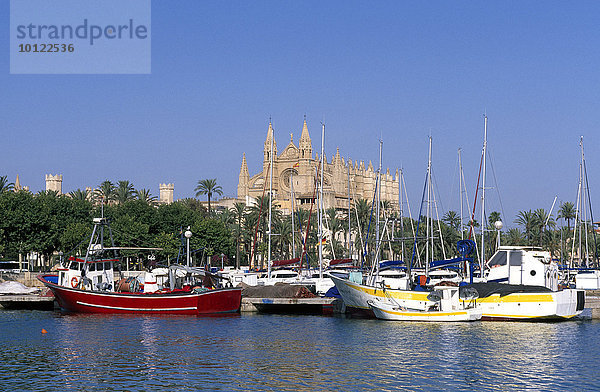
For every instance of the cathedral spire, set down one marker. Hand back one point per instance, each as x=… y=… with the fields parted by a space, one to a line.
x=243 y=179
x=305 y=143
x=267 y=148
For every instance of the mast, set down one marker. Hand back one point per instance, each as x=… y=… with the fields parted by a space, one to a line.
x=321 y=203
x=292 y=203
x=270 y=204
x=428 y=213
x=587 y=187
x=377 y=239
x=460 y=187
x=349 y=232
x=482 y=259
x=401 y=215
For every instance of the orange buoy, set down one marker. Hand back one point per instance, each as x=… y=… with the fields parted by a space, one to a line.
x=44 y=331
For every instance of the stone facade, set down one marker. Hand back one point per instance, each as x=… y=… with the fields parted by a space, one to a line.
x=166 y=193
x=54 y=183
x=296 y=165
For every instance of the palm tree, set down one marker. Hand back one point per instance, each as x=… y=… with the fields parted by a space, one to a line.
x=124 y=192
x=452 y=219
x=239 y=213
x=493 y=218
x=106 y=191
x=334 y=223
x=261 y=210
x=514 y=237
x=208 y=187
x=5 y=186
x=527 y=220
x=145 y=196
x=540 y=218
x=80 y=194
x=567 y=212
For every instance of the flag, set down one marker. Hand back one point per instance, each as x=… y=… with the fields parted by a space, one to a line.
x=297 y=164
x=324 y=241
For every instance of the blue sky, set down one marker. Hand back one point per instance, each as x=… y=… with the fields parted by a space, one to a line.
x=399 y=71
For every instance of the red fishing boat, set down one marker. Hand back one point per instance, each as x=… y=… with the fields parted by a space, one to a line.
x=88 y=285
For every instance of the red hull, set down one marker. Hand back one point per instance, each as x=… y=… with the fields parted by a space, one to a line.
x=84 y=301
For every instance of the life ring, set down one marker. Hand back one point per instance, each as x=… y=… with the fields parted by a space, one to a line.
x=74 y=281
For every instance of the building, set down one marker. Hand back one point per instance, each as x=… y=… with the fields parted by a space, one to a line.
x=18 y=187
x=54 y=183
x=166 y=193
x=296 y=167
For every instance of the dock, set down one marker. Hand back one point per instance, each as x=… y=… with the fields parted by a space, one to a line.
x=316 y=306
x=27 y=301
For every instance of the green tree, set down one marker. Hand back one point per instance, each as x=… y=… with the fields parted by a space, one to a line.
x=105 y=192
x=124 y=192
x=514 y=237
x=527 y=220
x=493 y=218
x=540 y=217
x=567 y=212
x=80 y=194
x=452 y=219
x=146 y=196
x=208 y=187
x=239 y=214
x=5 y=186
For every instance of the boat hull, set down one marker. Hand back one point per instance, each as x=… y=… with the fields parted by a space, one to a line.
x=387 y=311
x=555 y=305
x=357 y=296
x=216 y=301
x=531 y=306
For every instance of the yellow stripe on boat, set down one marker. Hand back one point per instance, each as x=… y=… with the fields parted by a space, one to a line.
x=518 y=297
x=403 y=294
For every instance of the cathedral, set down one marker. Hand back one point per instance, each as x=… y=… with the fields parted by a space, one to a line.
x=295 y=170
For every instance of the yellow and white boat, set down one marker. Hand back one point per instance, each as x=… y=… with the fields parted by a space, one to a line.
x=449 y=303
x=523 y=284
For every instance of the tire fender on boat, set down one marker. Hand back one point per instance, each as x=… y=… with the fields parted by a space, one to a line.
x=74 y=281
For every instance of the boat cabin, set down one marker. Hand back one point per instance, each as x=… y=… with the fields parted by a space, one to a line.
x=89 y=275
x=523 y=265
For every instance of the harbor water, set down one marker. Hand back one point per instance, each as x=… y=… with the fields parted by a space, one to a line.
x=291 y=353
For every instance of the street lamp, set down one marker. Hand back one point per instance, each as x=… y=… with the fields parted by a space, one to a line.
x=222 y=255
x=498 y=225
x=187 y=235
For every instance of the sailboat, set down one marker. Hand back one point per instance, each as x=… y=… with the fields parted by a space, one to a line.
x=522 y=283
x=587 y=274
x=371 y=297
x=281 y=271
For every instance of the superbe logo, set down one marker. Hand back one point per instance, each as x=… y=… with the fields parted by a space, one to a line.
x=84 y=31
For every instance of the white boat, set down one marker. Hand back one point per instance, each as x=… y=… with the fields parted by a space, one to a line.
x=523 y=284
x=449 y=303
x=357 y=295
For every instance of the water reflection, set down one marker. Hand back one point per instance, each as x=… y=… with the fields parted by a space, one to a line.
x=289 y=353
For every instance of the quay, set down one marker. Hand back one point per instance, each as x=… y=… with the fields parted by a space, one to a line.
x=27 y=301
x=316 y=306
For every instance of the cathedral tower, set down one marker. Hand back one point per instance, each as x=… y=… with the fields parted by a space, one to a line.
x=242 y=190
x=54 y=183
